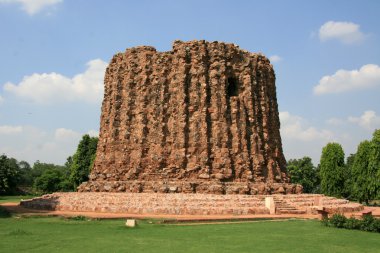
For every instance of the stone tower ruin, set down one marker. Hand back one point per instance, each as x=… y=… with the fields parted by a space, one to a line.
x=201 y=118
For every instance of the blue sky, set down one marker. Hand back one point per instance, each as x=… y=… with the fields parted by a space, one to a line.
x=326 y=57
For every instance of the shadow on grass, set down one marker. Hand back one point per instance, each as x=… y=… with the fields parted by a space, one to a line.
x=18 y=232
x=4 y=213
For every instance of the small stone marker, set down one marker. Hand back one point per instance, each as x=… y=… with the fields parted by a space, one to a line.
x=269 y=203
x=131 y=223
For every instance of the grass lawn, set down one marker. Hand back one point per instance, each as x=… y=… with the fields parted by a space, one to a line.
x=61 y=235
x=17 y=198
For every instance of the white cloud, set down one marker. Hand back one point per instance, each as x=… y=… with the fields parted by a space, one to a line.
x=295 y=127
x=300 y=138
x=368 y=120
x=53 y=87
x=31 y=143
x=7 y=130
x=63 y=134
x=275 y=58
x=1 y=99
x=33 y=6
x=346 y=32
x=93 y=133
x=368 y=76
x=335 y=122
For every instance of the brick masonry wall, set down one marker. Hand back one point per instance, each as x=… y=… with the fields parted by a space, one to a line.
x=186 y=204
x=204 y=111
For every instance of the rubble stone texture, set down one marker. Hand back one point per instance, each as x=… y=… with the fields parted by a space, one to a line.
x=188 y=204
x=200 y=118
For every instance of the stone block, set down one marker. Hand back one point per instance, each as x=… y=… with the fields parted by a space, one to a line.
x=131 y=223
x=270 y=205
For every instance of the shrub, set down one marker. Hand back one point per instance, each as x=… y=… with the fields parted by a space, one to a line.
x=338 y=220
x=325 y=221
x=376 y=225
x=368 y=223
x=352 y=223
x=78 y=218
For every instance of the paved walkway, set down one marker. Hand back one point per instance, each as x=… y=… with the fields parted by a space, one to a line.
x=15 y=208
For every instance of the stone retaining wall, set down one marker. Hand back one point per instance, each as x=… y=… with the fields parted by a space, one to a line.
x=183 y=204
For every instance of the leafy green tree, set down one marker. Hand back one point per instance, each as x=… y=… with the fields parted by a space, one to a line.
x=69 y=162
x=360 y=172
x=49 y=181
x=9 y=175
x=26 y=178
x=49 y=177
x=374 y=166
x=348 y=177
x=302 y=171
x=39 y=168
x=66 y=184
x=82 y=160
x=366 y=170
x=332 y=170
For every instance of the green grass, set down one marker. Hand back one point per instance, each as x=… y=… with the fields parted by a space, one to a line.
x=81 y=235
x=4 y=213
x=4 y=199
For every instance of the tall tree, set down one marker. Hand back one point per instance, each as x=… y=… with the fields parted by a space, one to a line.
x=26 y=178
x=82 y=160
x=348 y=178
x=332 y=170
x=9 y=174
x=303 y=172
x=374 y=166
x=360 y=172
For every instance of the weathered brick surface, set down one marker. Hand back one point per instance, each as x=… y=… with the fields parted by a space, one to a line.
x=150 y=203
x=204 y=113
x=191 y=186
x=185 y=204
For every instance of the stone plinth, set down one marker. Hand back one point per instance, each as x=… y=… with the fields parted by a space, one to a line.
x=187 y=203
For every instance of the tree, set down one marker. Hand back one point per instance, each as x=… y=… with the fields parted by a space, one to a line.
x=348 y=177
x=9 y=175
x=26 y=178
x=302 y=171
x=66 y=184
x=360 y=172
x=82 y=160
x=374 y=166
x=366 y=170
x=39 y=168
x=69 y=162
x=49 y=181
x=50 y=177
x=332 y=170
